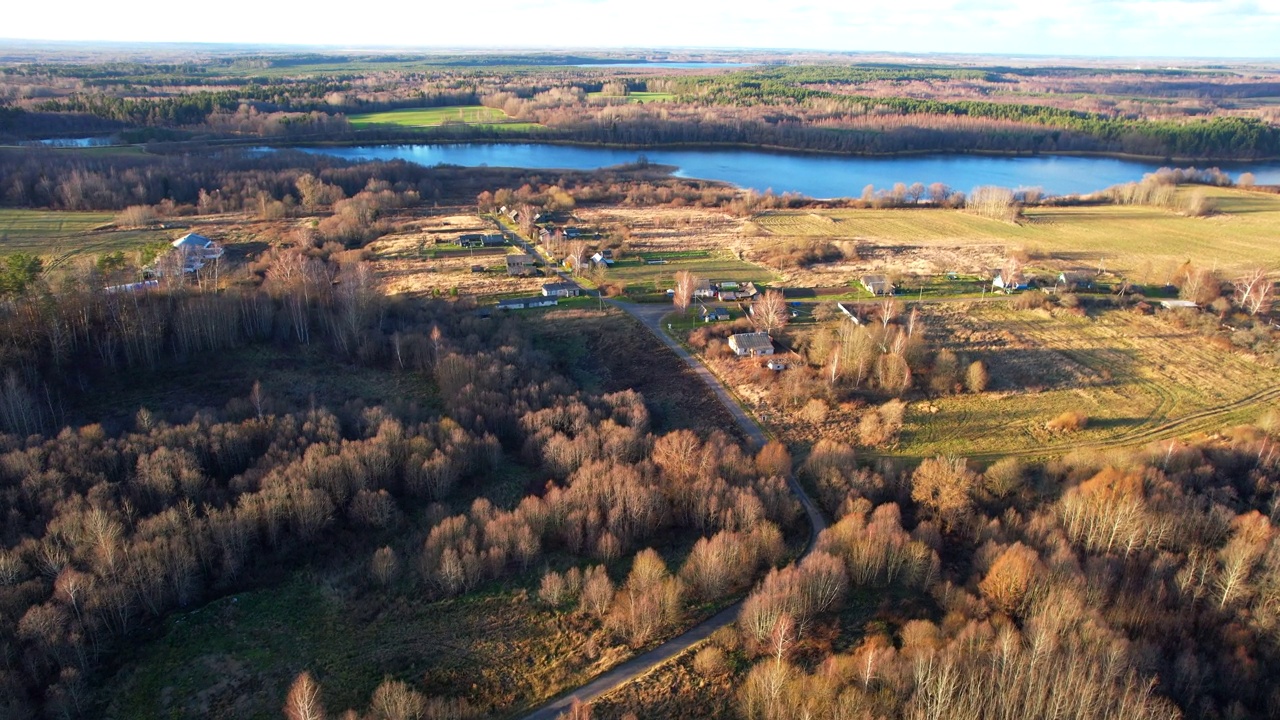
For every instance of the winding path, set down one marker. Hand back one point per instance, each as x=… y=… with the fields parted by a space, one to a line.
x=651 y=317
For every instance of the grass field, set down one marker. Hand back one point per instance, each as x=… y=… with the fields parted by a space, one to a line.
x=60 y=236
x=714 y=265
x=1138 y=241
x=435 y=117
x=235 y=657
x=637 y=97
x=1138 y=379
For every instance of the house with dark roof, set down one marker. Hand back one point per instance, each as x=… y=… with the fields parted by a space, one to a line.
x=561 y=289
x=519 y=264
x=877 y=284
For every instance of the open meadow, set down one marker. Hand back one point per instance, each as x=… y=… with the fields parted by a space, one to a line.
x=1144 y=243
x=1138 y=378
x=61 y=236
x=437 y=116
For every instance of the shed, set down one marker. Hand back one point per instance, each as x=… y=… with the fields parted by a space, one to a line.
x=751 y=344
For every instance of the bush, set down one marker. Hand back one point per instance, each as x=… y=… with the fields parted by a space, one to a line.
x=1069 y=421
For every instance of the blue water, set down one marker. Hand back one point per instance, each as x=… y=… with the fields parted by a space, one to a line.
x=819 y=176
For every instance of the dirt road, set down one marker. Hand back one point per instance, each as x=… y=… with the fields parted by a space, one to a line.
x=651 y=316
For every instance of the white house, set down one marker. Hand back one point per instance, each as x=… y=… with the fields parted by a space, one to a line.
x=196 y=250
x=561 y=289
x=1008 y=281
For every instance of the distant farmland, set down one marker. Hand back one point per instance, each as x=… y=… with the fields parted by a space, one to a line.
x=437 y=116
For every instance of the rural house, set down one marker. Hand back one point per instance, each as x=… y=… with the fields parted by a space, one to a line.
x=519 y=264
x=1075 y=280
x=1008 y=282
x=714 y=314
x=877 y=284
x=561 y=289
x=196 y=250
x=703 y=289
x=602 y=260
x=751 y=344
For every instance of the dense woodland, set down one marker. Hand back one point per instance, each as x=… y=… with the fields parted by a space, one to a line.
x=843 y=108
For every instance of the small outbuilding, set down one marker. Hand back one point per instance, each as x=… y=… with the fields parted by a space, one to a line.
x=527 y=302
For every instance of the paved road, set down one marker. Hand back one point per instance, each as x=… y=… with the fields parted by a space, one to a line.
x=651 y=316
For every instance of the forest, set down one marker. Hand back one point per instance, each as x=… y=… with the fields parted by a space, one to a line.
x=868 y=108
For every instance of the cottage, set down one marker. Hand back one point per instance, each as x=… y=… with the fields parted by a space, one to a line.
x=877 y=284
x=196 y=250
x=703 y=289
x=528 y=302
x=471 y=240
x=572 y=232
x=727 y=295
x=519 y=264
x=1075 y=280
x=561 y=289
x=493 y=241
x=751 y=344
x=1008 y=282
x=602 y=260
x=714 y=314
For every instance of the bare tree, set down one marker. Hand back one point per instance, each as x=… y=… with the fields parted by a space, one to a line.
x=686 y=283
x=1254 y=291
x=770 y=311
x=303 y=700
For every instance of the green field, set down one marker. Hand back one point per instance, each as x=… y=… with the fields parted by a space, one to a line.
x=1138 y=378
x=1135 y=240
x=713 y=265
x=437 y=116
x=60 y=236
x=636 y=97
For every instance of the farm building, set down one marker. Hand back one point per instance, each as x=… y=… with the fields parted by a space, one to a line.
x=751 y=344
x=748 y=291
x=703 y=289
x=877 y=284
x=1008 y=282
x=528 y=302
x=519 y=264
x=727 y=295
x=561 y=289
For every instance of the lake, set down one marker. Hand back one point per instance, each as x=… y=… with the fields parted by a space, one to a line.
x=819 y=176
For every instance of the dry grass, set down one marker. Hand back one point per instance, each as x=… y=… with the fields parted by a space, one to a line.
x=412 y=262
x=1145 y=243
x=1137 y=378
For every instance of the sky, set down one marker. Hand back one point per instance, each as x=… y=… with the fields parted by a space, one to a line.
x=1107 y=28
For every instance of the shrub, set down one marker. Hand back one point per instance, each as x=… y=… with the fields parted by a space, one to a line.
x=1069 y=421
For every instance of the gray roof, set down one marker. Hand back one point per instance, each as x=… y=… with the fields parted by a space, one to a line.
x=560 y=286
x=192 y=240
x=752 y=341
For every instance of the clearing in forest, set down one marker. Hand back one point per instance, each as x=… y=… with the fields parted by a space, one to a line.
x=59 y=236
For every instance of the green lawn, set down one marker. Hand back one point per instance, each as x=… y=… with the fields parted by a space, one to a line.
x=437 y=116
x=1136 y=240
x=60 y=236
x=637 y=97
x=715 y=266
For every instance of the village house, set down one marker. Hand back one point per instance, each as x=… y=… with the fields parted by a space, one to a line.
x=1008 y=282
x=561 y=289
x=519 y=264
x=1073 y=280
x=714 y=314
x=703 y=289
x=877 y=284
x=751 y=344
x=196 y=251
